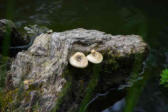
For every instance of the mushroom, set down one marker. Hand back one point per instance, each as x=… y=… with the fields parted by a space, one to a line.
x=78 y=60
x=95 y=57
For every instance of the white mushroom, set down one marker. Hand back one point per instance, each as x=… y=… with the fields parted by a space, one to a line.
x=78 y=60
x=95 y=57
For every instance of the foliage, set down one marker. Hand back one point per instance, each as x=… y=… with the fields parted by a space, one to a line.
x=91 y=86
x=3 y=70
x=136 y=85
x=164 y=78
x=6 y=98
x=62 y=94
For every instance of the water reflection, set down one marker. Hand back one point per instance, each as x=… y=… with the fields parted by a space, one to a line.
x=117 y=107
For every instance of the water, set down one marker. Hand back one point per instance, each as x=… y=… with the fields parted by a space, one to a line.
x=116 y=107
x=146 y=18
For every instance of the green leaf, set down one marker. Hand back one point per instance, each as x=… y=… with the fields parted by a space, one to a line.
x=164 y=78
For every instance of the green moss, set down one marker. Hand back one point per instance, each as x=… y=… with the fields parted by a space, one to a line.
x=11 y=100
x=135 y=90
x=3 y=70
x=113 y=63
x=6 y=98
x=61 y=95
x=91 y=86
x=136 y=69
x=36 y=107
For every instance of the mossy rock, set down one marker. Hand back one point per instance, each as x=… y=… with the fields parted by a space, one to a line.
x=63 y=88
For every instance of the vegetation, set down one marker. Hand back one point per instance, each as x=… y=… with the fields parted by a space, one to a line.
x=91 y=86
x=135 y=84
x=164 y=78
x=61 y=95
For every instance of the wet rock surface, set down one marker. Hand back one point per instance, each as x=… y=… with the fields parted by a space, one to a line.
x=57 y=86
x=9 y=31
x=13 y=41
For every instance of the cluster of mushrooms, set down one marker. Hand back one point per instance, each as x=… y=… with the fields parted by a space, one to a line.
x=79 y=60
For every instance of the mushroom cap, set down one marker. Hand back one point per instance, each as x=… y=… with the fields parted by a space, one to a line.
x=78 y=60
x=95 y=57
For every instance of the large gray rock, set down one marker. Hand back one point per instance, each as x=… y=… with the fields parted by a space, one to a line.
x=42 y=80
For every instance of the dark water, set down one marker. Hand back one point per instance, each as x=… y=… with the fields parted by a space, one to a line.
x=144 y=17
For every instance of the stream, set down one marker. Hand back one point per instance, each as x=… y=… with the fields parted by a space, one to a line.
x=145 y=18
